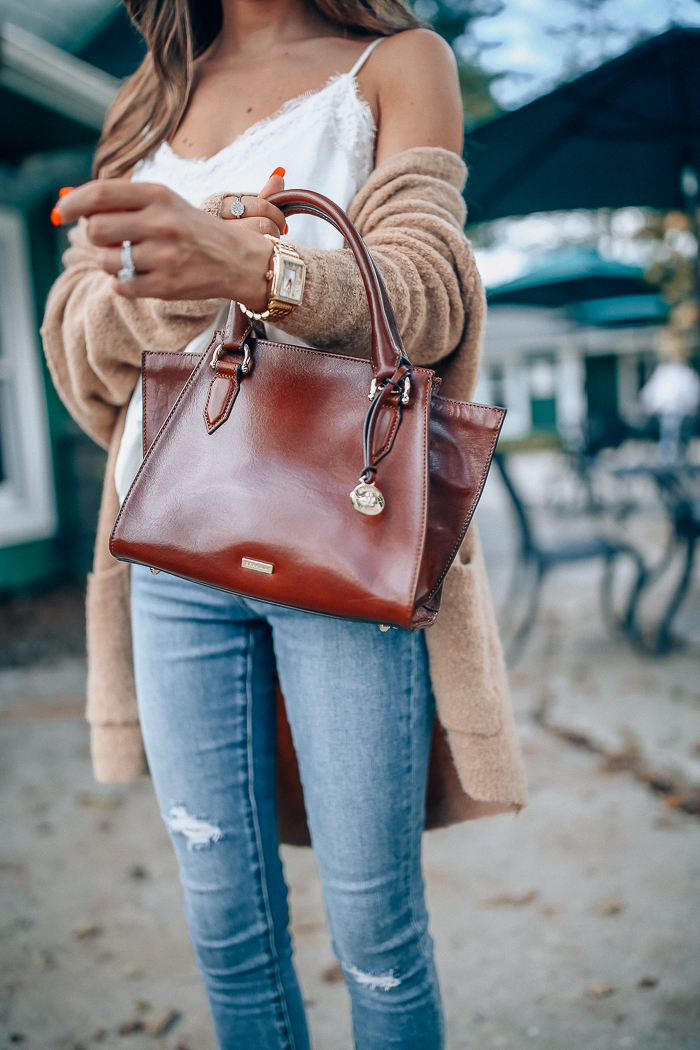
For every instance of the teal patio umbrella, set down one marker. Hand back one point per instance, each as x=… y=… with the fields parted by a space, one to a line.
x=627 y=133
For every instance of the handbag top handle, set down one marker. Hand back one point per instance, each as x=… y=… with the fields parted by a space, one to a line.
x=387 y=347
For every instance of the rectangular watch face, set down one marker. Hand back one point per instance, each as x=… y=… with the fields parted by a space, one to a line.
x=289 y=284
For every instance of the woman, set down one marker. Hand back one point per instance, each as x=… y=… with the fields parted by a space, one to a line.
x=354 y=100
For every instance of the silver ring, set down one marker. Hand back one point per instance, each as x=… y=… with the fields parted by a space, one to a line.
x=237 y=207
x=128 y=270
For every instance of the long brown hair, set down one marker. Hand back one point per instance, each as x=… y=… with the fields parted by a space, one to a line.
x=150 y=105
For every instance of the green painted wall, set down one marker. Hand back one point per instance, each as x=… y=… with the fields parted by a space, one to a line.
x=30 y=564
x=32 y=187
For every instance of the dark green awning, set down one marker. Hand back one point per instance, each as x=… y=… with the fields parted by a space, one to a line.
x=618 y=136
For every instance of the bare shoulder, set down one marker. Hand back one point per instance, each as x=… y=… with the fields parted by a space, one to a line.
x=421 y=46
x=415 y=60
x=413 y=76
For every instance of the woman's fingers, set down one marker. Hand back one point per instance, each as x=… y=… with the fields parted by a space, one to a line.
x=110 y=259
x=263 y=225
x=256 y=208
x=275 y=184
x=109 y=228
x=111 y=195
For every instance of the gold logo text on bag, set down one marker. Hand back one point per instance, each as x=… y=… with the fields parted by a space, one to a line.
x=258 y=566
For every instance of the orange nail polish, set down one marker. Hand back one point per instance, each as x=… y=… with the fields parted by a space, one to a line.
x=278 y=171
x=65 y=190
x=55 y=217
x=286 y=228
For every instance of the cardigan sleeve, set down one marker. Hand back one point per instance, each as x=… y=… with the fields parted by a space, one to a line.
x=93 y=338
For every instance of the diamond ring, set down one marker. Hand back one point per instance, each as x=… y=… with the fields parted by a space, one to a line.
x=237 y=208
x=128 y=270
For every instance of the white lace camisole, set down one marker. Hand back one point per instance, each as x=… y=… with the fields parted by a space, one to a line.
x=325 y=142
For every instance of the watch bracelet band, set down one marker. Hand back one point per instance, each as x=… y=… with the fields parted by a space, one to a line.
x=276 y=310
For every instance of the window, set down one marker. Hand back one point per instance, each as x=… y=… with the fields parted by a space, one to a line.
x=27 y=498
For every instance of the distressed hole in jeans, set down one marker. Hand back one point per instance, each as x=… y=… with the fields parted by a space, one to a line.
x=199 y=833
x=384 y=981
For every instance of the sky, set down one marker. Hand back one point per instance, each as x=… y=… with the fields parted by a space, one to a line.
x=533 y=41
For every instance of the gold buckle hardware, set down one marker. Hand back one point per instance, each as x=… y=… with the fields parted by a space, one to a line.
x=405 y=394
x=247 y=358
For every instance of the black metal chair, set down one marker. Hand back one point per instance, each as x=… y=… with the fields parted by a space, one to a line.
x=679 y=489
x=536 y=559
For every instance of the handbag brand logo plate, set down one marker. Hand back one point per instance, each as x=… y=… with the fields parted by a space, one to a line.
x=258 y=566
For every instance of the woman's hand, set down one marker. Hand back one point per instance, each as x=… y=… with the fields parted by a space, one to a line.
x=258 y=213
x=179 y=252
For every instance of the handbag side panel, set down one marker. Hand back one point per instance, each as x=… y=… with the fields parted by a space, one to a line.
x=463 y=439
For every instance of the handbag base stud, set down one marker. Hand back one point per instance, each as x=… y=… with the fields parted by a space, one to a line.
x=154 y=571
x=367 y=499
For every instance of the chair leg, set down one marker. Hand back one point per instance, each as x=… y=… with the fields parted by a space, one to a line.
x=662 y=641
x=517 y=643
x=629 y=624
x=518 y=583
x=628 y=620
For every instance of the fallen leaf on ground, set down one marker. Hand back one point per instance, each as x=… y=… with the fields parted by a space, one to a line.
x=617 y=762
x=609 y=906
x=332 y=974
x=132 y=973
x=130 y=1027
x=600 y=991
x=673 y=801
x=142 y=1006
x=648 y=982
x=163 y=1024
x=83 y=933
x=510 y=900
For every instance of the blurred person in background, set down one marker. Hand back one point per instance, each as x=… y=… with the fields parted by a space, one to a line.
x=672 y=394
x=354 y=99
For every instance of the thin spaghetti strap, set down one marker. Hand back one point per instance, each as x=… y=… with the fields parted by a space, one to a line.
x=364 y=56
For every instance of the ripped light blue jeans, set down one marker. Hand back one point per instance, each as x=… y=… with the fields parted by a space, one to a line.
x=361 y=710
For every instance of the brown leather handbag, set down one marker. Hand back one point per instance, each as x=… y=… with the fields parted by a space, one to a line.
x=328 y=483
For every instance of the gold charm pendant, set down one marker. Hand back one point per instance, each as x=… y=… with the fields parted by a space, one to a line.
x=367 y=499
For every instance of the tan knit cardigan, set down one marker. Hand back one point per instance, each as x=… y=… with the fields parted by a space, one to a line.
x=411 y=214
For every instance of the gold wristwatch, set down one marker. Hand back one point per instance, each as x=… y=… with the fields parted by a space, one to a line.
x=286 y=277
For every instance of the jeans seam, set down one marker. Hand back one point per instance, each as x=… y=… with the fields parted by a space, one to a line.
x=258 y=844
x=412 y=844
